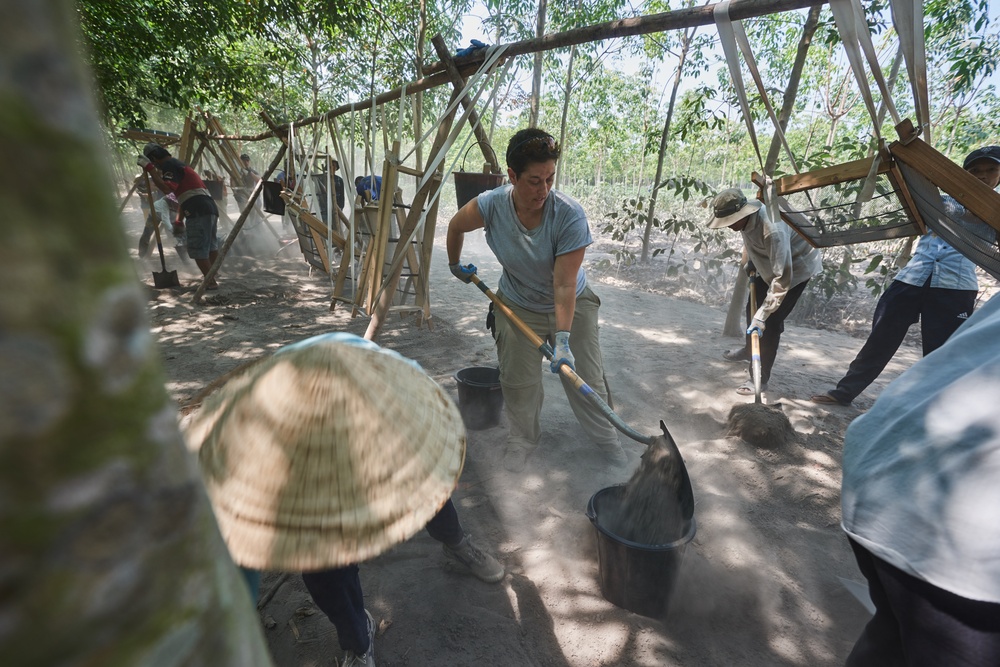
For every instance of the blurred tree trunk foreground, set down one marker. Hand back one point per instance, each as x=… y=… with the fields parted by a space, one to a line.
x=109 y=553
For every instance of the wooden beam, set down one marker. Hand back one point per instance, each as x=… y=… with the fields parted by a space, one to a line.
x=639 y=25
x=838 y=173
x=412 y=220
x=968 y=190
x=458 y=83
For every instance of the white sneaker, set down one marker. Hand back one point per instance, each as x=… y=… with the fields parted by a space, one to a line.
x=366 y=659
x=480 y=563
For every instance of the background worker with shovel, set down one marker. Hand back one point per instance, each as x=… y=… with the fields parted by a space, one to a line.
x=171 y=175
x=539 y=236
x=783 y=263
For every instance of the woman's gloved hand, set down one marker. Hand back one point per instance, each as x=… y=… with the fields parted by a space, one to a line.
x=463 y=273
x=562 y=354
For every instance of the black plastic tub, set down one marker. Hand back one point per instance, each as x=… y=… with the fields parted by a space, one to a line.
x=634 y=576
x=480 y=399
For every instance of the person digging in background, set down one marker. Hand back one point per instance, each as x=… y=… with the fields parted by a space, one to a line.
x=201 y=216
x=165 y=208
x=919 y=498
x=325 y=455
x=369 y=184
x=540 y=237
x=938 y=287
x=780 y=264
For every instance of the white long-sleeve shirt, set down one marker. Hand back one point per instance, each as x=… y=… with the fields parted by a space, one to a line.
x=782 y=257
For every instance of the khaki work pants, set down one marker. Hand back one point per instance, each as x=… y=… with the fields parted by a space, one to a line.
x=521 y=371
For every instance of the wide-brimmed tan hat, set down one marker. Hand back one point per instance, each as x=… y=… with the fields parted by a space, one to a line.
x=326 y=455
x=731 y=206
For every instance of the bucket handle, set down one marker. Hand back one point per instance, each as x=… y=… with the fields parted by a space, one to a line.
x=479 y=143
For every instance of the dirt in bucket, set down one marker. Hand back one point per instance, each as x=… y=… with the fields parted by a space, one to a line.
x=761 y=425
x=650 y=512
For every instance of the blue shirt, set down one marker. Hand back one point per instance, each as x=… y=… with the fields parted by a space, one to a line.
x=366 y=184
x=934 y=258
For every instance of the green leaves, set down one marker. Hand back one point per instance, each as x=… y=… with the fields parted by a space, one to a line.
x=176 y=54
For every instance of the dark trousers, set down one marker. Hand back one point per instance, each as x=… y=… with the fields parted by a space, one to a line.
x=917 y=624
x=337 y=592
x=774 y=325
x=940 y=312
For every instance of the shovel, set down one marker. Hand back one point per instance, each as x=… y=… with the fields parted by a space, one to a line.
x=165 y=278
x=754 y=346
x=564 y=369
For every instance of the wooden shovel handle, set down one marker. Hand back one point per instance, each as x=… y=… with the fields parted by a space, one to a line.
x=564 y=369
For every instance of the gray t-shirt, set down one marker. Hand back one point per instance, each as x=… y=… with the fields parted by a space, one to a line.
x=528 y=256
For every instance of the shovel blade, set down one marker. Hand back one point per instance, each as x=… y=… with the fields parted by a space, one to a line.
x=165 y=279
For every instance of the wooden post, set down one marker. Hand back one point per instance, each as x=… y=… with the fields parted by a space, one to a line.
x=458 y=84
x=416 y=207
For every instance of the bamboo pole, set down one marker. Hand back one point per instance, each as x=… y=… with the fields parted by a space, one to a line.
x=458 y=83
x=412 y=220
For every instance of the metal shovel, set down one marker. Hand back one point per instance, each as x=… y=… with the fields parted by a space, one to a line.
x=754 y=346
x=165 y=278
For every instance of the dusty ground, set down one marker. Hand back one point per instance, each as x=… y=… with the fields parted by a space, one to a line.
x=759 y=584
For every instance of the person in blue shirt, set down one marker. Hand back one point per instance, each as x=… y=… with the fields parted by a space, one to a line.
x=919 y=502
x=371 y=184
x=938 y=286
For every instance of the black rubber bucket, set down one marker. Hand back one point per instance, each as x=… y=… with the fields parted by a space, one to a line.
x=633 y=576
x=479 y=397
x=271 y=194
x=471 y=184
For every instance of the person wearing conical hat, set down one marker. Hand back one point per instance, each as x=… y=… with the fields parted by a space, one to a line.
x=326 y=454
x=780 y=264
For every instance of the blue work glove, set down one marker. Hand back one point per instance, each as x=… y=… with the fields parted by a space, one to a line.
x=756 y=325
x=750 y=269
x=463 y=273
x=562 y=354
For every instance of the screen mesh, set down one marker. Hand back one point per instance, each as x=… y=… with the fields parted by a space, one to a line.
x=948 y=219
x=852 y=211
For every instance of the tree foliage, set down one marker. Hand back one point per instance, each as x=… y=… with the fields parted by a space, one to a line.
x=177 y=54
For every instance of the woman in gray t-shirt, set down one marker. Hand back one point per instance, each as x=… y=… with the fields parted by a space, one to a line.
x=539 y=236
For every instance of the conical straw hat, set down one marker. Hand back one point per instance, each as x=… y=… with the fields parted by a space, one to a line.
x=326 y=455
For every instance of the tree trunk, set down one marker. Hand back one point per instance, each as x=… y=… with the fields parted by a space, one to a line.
x=565 y=111
x=792 y=90
x=111 y=553
x=418 y=97
x=536 y=73
x=686 y=38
